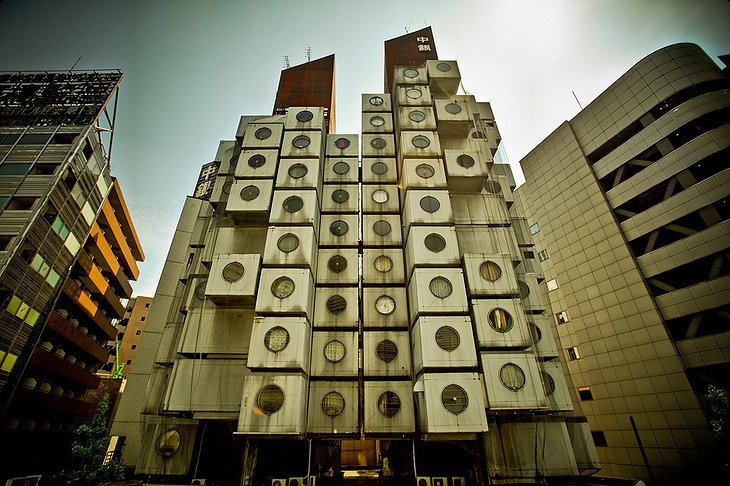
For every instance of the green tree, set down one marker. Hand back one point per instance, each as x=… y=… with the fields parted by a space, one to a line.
x=719 y=411
x=88 y=452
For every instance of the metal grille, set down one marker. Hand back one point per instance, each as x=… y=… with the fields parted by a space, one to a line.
x=389 y=404
x=233 y=272
x=333 y=404
x=512 y=376
x=288 y=243
x=500 y=320
x=490 y=271
x=440 y=287
x=386 y=350
x=276 y=339
x=336 y=304
x=430 y=204
x=455 y=399
x=447 y=338
x=270 y=399
x=334 y=351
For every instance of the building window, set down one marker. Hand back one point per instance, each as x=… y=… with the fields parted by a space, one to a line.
x=500 y=320
x=340 y=196
x=389 y=404
x=440 y=287
x=417 y=116
x=376 y=101
x=142 y=318
x=282 y=287
x=129 y=361
x=276 y=339
x=381 y=228
x=410 y=73
x=337 y=264
x=377 y=121
x=302 y=141
x=599 y=438
x=288 y=243
x=134 y=346
x=297 y=171
x=490 y=271
x=386 y=351
x=380 y=196
x=435 y=242
x=573 y=353
x=534 y=229
x=336 y=304
x=383 y=264
x=466 y=161
x=339 y=227
x=585 y=393
x=378 y=143
x=270 y=399
x=342 y=143
x=334 y=351
x=256 y=161
x=293 y=204
x=305 y=116
x=492 y=187
x=453 y=108
x=562 y=317
x=552 y=285
x=512 y=376
x=232 y=272
x=263 y=133
x=333 y=404
x=385 y=305
x=454 y=399
x=341 y=168
x=379 y=168
x=425 y=171
x=420 y=141
x=147 y=304
x=542 y=255
x=139 y=332
x=447 y=338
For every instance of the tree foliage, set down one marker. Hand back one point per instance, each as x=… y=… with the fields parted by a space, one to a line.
x=88 y=452
x=719 y=401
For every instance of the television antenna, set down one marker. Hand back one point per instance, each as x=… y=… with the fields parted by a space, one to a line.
x=309 y=54
x=287 y=65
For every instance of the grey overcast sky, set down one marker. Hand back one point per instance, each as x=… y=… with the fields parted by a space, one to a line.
x=193 y=68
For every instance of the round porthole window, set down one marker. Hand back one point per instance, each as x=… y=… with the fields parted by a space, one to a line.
x=276 y=339
x=386 y=350
x=454 y=399
x=376 y=100
x=233 y=272
x=293 y=204
x=380 y=196
x=414 y=93
x=524 y=289
x=512 y=376
x=377 y=121
x=270 y=399
x=500 y=320
x=548 y=383
x=200 y=290
x=443 y=67
x=340 y=196
x=381 y=228
x=256 y=161
x=297 y=171
x=389 y=404
x=435 y=242
x=385 y=305
x=410 y=73
x=168 y=443
x=383 y=264
x=478 y=134
x=342 y=143
x=334 y=351
x=339 y=227
x=466 y=161
x=337 y=264
x=262 y=133
x=447 y=338
x=378 y=143
x=341 y=168
x=492 y=187
x=301 y=141
x=332 y=405
x=490 y=271
x=453 y=108
x=425 y=171
x=379 y=168
x=305 y=116
x=440 y=287
x=417 y=116
x=249 y=193
x=336 y=304
x=227 y=187
x=288 y=243
x=420 y=141
x=430 y=204
x=282 y=287
x=535 y=332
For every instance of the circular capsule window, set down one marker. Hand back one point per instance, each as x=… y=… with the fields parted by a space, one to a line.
x=380 y=196
x=337 y=264
x=492 y=187
x=297 y=171
x=378 y=143
x=339 y=227
x=425 y=171
x=548 y=383
x=500 y=320
x=454 y=399
x=490 y=271
x=276 y=339
x=453 y=108
x=377 y=121
x=385 y=305
x=263 y=133
x=200 y=290
x=379 y=168
x=524 y=289
x=447 y=338
x=414 y=93
x=375 y=100
x=227 y=187
x=288 y=243
x=341 y=168
x=386 y=350
x=168 y=443
x=342 y=143
x=443 y=67
x=435 y=242
x=249 y=193
x=334 y=351
x=340 y=196
x=256 y=161
x=417 y=116
x=382 y=228
x=270 y=399
x=512 y=376
x=430 y=204
x=305 y=116
x=336 y=304
x=535 y=332
x=410 y=73
x=233 y=272
x=383 y=264
x=293 y=204
x=466 y=161
x=282 y=287
x=332 y=405
x=301 y=141
x=419 y=141
x=389 y=404
x=440 y=287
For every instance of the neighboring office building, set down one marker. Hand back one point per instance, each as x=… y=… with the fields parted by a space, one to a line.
x=628 y=206
x=68 y=250
x=129 y=330
x=274 y=321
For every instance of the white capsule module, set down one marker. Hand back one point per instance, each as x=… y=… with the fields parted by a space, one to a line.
x=480 y=209
x=285 y=291
x=376 y=102
x=232 y=279
x=530 y=293
x=410 y=75
x=417 y=95
x=337 y=267
x=450 y=403
x=427 y=208
x=179 y=463
x=376 y=122
x=295 y=208
x=542 y=336
x=334 y=354
x=386 y=353
x=262 y=135
x=443 y=342
x=221 y=188
x=304 y=118
x=380 y=198
x=443 y=77
x=338 y=230
x=273 y=404
x=340 y=170
x=249 y=200
x=455 y=115
x=208 y=386
x=333 y=407
x=490 y=275
x=467 y=170
x=555 y=387
x=302 y=144
x=379 y=171
x=423 y=174
x=340 y=145
x=389 y=407
x=299 y=174
x=383 y=266
x=385 y=307
x=490 y=240
x=281 y=343
x=382 y=230
x=500 y=323
x=291 y=246
x=340 y=198
x=336 y=307
x=431 y=246
x=512 y=381
x=416 y=118
x=418 y=145
x=257 y=164
x=437 y=291
x=378 y=145
x=530 y=264
x=214 y=330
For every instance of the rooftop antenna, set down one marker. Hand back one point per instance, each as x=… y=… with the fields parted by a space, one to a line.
x=286 y=62
x=77 y=61
x=576 y=99
x=408 y=28
x=309 y=54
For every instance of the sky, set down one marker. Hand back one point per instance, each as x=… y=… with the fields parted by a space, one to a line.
x=192 y=69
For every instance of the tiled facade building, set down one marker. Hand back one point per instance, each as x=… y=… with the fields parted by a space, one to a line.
x=628 y=207
x=130 y=330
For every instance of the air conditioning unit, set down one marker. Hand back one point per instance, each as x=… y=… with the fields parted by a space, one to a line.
x=458 y=481
x=423 y=481
x=278 y=482
x=198 y=482
x=298 y=481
